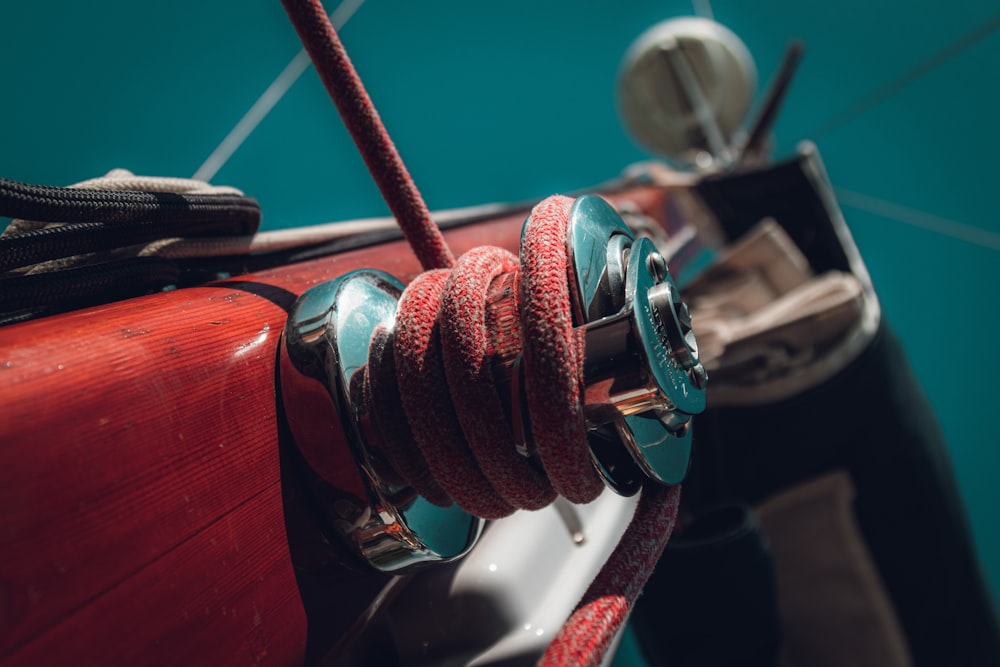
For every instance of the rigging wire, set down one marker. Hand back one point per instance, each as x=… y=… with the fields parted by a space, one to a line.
x=268 y=99
x=935 y=224
x=921 y=219
x=898 y=83
x=978 y=236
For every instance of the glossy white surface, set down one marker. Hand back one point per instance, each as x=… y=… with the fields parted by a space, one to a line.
x=505 y=601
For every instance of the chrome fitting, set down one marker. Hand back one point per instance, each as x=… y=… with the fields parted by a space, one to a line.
x=323 y=355
x=641 y=370
x=643 y=382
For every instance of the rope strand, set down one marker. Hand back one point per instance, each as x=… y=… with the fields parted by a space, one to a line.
x=363 y=122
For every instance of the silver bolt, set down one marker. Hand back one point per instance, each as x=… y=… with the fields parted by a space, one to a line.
x=657 y=266
x=698 y=376
x=683 y=317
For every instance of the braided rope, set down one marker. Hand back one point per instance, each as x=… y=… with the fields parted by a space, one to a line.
x=554 y=354
x=585 y=637
x=467 y=349
x=435 y=367
x=363 y=122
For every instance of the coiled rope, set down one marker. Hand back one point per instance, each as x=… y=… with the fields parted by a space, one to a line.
x=466 y=452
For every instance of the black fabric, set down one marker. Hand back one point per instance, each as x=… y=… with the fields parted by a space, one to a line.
x=873 y=420
x=712 y=600
x=786 y=192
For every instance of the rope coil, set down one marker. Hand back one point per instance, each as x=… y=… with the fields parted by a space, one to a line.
x=443 y=358
x=442 y=346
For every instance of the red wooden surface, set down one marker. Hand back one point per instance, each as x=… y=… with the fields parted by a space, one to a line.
x=139 y=472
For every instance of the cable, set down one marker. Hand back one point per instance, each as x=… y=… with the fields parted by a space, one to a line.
x=984 y=238
x=911 y=75
x=267 y=100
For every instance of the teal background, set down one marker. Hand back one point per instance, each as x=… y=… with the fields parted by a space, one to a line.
x=514 y=100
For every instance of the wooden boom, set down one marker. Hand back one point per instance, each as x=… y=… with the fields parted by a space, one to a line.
x=152 y=512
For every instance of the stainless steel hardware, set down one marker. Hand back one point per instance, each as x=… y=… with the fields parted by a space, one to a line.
x=643 y=383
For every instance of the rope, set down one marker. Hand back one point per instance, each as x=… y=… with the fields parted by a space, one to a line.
x=435 y=369
x=363 y=122
x=68 y=205
x=604 y=608
x=119 y=214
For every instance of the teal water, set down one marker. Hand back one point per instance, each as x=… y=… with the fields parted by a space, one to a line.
x=514 y=100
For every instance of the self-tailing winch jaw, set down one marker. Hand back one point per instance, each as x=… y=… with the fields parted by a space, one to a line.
x=641 y=369
x=642 y=384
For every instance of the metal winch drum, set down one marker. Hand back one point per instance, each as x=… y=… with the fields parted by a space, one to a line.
x=642 y=384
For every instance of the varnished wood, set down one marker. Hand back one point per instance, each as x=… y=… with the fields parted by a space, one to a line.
x=140 y=477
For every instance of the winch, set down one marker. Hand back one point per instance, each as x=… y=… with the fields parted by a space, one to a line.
x=642 y=383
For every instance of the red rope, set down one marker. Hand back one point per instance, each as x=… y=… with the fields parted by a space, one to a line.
x=604 y=608
x=362 y=120
x=554 y=354
x=467 y=350
x=424 y=387
x=436 y=370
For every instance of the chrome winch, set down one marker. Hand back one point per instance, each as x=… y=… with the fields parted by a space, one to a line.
x=641 y=369
x=643 y=382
